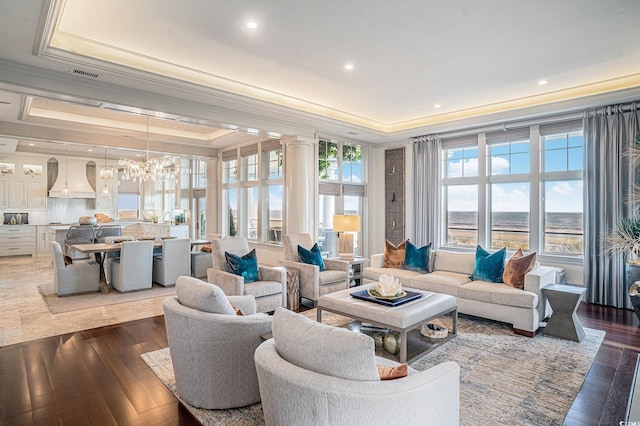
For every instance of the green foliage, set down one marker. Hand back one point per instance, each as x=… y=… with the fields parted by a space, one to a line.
x=328 y=156
x=232 y=224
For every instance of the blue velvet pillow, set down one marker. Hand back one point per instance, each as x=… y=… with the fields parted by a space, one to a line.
x=312 y=257
x=489 y=267
x=416 y=259
x=245 y=266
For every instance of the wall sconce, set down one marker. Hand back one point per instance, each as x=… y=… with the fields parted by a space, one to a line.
x=345 y=225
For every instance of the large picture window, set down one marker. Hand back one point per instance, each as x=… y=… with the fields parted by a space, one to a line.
x=252 y=203
x=520 y=188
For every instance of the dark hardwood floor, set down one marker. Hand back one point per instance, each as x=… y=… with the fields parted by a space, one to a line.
x=96 y=377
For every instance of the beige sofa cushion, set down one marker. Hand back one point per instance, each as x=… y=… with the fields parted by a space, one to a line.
x=499 y=294
x=440 y=282
x=463 y=263
x=403 y=275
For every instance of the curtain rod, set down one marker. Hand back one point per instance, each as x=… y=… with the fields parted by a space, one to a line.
x=612 y=109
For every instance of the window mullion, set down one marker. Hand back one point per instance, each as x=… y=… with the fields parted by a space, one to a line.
x=484 y=203
x=535 y=204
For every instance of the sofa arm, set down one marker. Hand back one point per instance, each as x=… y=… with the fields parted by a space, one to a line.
x=247 y=304
x=308 y=279
x=231 y=285
x=534 y=281
x=377 y=260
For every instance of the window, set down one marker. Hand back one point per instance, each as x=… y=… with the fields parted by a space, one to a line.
x=252 y=204
x=520 y=188
x=341 y=190
x=562 y=156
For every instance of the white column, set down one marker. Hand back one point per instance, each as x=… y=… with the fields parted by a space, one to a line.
x=300 y=177
x=213 y=194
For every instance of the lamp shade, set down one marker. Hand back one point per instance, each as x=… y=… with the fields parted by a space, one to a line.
x=346 y=223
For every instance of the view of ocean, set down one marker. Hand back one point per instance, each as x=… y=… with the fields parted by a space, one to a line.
x=566 y=223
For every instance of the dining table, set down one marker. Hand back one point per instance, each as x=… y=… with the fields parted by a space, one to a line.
x=101 y=250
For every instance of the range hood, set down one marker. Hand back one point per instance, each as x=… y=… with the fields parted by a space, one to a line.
x=76 y=177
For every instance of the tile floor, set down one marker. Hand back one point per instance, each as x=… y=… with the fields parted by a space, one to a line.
x=24 y=315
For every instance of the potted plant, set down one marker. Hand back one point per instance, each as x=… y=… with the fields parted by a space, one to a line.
x=154 y=218
x=625 y=237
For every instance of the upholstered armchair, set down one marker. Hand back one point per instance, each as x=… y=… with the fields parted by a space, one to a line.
x=174 y=261
x=313 y=282
x=133 y=269
x=211 y=347
x=270 y=290
x=81 y=276
x=315 y=374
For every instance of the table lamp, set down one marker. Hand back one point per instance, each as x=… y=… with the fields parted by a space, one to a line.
x=344 y=225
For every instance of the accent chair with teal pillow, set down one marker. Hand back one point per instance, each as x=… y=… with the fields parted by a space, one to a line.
x=312 y=257
x=246 y=266
x=416 y=258
x=489 y=266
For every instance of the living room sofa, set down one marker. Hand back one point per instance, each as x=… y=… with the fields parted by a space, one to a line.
x=524 y=308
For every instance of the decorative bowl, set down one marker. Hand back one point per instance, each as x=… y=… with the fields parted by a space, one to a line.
x=373 y=293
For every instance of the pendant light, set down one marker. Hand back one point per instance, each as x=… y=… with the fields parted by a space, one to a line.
x=65 y=192
x=106 y=193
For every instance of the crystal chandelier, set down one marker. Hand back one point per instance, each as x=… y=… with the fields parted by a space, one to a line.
x=150 y=170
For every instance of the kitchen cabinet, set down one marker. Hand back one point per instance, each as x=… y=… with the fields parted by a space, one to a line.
x=17 y=240
x=25 y=187
x=43 y=240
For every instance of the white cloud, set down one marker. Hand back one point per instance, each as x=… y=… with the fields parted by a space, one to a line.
x=499 y=165
x=562 y=188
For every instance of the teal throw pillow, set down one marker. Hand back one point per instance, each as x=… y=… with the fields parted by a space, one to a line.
x=312 y=257
x=416 y=258
x=489 y=267
x=246 y=266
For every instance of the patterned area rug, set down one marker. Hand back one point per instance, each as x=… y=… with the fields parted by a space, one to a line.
x=58 y=305
x=505 y=379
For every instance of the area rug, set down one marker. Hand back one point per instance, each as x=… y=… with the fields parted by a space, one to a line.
x=58 y=305
x=505 y=379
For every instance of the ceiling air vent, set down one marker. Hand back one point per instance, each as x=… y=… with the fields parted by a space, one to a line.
x=84 y=73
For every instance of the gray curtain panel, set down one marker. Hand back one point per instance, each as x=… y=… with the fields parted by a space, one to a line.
x=426 y=199
x=608 y=187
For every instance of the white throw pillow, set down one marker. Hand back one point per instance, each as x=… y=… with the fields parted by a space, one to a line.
x=197 y=294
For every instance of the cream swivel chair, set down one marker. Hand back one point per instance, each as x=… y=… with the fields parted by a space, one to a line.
x=81 y=276
x=211 y=347
x=315 y=374
x=313 y=282
x=270 y=290
x=133 y=270
x=174 y=261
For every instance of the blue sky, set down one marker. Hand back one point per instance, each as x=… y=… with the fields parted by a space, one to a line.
x=560 y=154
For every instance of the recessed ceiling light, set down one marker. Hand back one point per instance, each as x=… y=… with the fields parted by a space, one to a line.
x=252 y=25
x=32 y=144
x=437 y=106
x=90 y=150
x=348 y=67
x=542 y=82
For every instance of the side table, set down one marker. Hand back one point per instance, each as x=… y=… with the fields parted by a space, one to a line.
x=293 y=287
x=564 y=301
x=356 y=269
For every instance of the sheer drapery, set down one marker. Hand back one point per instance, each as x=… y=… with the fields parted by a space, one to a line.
x=609 y=180
x=426 y=190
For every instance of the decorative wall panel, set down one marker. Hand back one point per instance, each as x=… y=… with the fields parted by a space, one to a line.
x=394 y=195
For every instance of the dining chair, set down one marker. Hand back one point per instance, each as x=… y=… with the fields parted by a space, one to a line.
x=80 y=276
x=174 y=261
x=105 y=231
x=78 y=234
x=112 y=255
x=133 y=270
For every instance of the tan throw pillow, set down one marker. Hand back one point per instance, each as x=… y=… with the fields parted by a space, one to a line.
x=394 y=255
x=517 y=267
x=237 y=310
x=390 y=373
x=206 y=249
